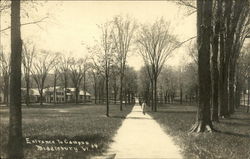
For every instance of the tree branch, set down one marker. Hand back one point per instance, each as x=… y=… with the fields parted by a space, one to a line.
x=27 y=23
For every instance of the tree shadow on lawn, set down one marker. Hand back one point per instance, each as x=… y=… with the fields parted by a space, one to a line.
x=230 y=123
x=175 y=111
x=118 y=116
x=233 y=134
x=123 y=117
x=59 y=105
x=238 y=118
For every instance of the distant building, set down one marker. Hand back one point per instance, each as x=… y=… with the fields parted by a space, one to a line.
x=60 y=95
x=71 y=95
x=34 y=96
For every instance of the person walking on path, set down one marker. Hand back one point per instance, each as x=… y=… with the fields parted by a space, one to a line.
x=143 y=107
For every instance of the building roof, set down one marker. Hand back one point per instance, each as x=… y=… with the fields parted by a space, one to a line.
x=80 y=93
x=33 y=91
x=51 y=89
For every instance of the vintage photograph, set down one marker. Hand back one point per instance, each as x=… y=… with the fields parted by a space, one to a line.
x=122 y=79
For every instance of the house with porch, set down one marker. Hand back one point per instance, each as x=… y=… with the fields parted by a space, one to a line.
x=59 y=96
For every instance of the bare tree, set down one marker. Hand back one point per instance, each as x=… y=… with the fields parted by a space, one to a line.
x=15 y=142
x=113 y=81
x=130 y=88
x=4 y=75
x=76 y=74
x=104 y=56
x=156 y=43
x=144 y=85
x=56 y=77
x=123 y=32
x=64 y=71
x=86 y=67
x=42 y=65
x=27 y=60
x=94 y=73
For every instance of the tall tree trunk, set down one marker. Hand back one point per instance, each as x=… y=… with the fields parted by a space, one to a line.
x=54 y=92
x=204 y=15
x=115 y=95
x=121 y=90
x=27 y=101
x=41 y=97
x=6 y=89
x=15 y=145
x=248 y=94
x=95 y=89
x=152 y=95
x=65 y=89
x=215 y=71
x=76 y=94
x=222 y=78
x=197 y=94
x=84 y=86
x=180 y=93
x=107 y=93
x=231 y=88
x=155 y=94
x=238 y=90
x=244 y=99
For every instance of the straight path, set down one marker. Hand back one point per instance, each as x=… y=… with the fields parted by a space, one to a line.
x=140 y=136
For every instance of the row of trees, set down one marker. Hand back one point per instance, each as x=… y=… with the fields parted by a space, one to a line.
x=110 y=53
x=155 y=44
x=175 y=84
x=222 y=27
x=43 y=69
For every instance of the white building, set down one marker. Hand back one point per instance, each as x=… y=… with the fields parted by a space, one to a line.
x=60 y=95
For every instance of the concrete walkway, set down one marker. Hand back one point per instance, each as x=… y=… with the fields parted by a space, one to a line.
x=142 y=137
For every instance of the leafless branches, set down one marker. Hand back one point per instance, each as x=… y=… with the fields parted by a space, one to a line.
x=155 y=43
x=41 y=67
x=122 y=34
x=27 y=23
x=27 y=61
x=189 y=4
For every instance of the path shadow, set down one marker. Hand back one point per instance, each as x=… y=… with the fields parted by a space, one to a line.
x=123 y=117
x=173 y=111
x=137 y=111
x=235 y=118
x=117 y=116
x=234 y=123
x=144 y=118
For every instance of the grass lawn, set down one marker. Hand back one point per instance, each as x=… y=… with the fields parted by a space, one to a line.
x=231 y=142
x=86 y=126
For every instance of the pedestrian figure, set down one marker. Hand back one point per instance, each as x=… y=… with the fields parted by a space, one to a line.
x=143 y=107
x=140 y=101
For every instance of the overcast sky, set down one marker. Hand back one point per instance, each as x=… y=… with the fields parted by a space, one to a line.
x=73 y=23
